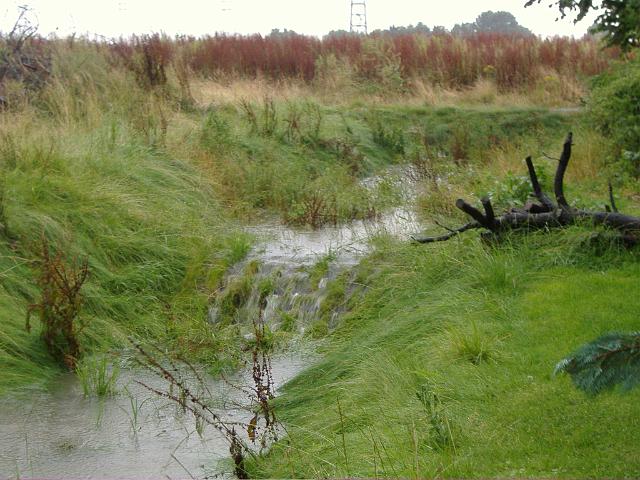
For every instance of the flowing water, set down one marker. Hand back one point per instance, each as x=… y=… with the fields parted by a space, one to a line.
x=58 y=433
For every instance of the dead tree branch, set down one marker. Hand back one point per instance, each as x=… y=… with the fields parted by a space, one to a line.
x=537 y=190
x=612 y=200
x=545 y=214
x=558 y=182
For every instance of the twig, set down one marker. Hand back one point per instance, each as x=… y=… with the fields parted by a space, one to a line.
x=444 y=238
x=182 y=465
x=550 y=157
x=537 y=190
x=612 y=200
x=450 y=230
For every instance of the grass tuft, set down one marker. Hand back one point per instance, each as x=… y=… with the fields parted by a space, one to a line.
x=97 y=376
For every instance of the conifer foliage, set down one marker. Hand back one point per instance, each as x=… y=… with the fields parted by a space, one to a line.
x=612 y=359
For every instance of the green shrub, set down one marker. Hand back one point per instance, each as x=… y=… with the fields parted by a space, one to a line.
x=389 y=137
x=615 y=109
x=216 y=133
x=511 y=190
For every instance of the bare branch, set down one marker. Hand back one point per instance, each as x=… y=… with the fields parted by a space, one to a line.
x=612 y=200
x=452 y=233
x=537 y=190
x=445 y=227
x=472 y=212
x=558 y=183
x=489 y=214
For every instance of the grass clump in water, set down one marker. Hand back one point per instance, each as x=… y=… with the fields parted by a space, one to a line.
x=98 y=376
x=237 y=293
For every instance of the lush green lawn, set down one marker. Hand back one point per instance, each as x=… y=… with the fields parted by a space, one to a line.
x=476 y=332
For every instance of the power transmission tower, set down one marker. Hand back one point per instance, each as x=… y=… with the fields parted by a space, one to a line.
x=358 y=22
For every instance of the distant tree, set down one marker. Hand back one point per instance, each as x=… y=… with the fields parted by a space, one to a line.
x=499 y=22
x=491 y=22
x=420 y=28
x=619 y=20
x=338 y=33
x=464 y=29
x=277 y=33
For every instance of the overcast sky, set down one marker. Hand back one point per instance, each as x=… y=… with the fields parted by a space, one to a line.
x=113 y=18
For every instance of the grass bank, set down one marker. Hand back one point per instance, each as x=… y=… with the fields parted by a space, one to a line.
x=152 y=189
x=444 y=366
x=306 y=161
x=150 y=225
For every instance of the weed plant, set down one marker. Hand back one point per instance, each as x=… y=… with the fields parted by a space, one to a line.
x=60 y=303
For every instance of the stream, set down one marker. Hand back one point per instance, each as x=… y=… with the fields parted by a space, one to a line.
x=58 y=433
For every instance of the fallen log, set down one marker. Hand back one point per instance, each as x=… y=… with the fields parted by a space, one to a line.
x=546 y=214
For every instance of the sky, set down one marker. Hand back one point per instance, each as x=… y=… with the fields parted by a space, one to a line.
x=113 y=18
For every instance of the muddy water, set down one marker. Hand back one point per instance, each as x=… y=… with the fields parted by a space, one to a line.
x=347 y=243
x=60 y=434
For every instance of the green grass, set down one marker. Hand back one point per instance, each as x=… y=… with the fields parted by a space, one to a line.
x=98 y=376
x=442 y=367
x=154 y=233
x=429 y=315
x=152 y=193
x=153 y=212
x=312 y=176
x=148 y=193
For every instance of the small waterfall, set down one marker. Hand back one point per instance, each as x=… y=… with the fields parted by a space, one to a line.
x=290 y=273
x=288 y=297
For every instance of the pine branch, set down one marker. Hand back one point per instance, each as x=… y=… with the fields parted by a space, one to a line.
x=613 y=359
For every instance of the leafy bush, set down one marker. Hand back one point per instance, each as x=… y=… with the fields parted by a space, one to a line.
x=216 y=133
x=513 y=189
x=389 y=137
x=615 y=110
